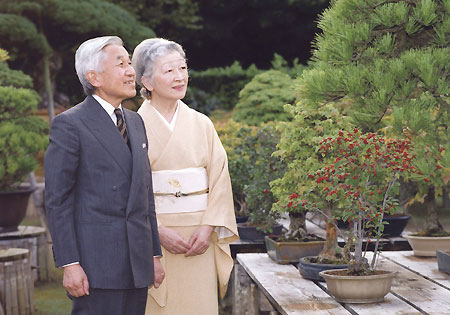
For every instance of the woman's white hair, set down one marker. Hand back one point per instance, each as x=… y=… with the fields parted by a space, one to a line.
x=89 y=57
x=145 y=55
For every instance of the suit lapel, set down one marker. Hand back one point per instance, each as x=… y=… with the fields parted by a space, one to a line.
x=138 y=146
x=107 y=134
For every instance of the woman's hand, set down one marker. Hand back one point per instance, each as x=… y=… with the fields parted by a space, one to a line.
x=172 y=240
x=200 y=240
x=158 y=272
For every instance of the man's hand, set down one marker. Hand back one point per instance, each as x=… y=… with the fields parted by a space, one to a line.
x=172 y=240
x=75 y=281
x=158 y=272
x=200 y=240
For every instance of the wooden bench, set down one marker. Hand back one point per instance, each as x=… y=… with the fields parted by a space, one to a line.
x=419 y=288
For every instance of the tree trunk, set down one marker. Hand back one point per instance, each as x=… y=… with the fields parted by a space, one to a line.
x=49 y=89
x=297 y=225
x=432 y=224
x=331 y=249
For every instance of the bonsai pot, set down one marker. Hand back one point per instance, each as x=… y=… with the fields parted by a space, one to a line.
x=291 y=252
x=358 y=289
x=396 y=225
x=241 y=219
x=427 y=246
x=311 y=271
x=251 y=233
x=443 y=260
x=13 y=208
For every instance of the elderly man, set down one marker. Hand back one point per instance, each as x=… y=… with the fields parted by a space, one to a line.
x=99 y=195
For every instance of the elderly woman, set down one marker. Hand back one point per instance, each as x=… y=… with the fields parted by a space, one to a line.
x=191 y=183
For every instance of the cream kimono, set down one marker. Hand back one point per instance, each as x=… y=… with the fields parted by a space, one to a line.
x=192 y=187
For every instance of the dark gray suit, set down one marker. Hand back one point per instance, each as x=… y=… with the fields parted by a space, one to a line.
x=99 y=197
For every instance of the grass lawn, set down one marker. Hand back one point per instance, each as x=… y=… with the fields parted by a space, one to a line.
x=50 y=299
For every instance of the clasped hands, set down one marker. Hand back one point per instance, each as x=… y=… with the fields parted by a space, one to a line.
x=172 y=240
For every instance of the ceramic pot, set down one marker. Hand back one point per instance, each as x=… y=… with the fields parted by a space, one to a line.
x=311 y=271
x=358 y=289
x=427 y=246
x=13 y=208
x=250 y=233
x=291 y=252
x=396 y=225
x=241 y=219
x=443 y=260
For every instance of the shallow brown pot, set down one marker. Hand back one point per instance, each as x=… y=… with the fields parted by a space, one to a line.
x=427 y=246
x=358 y=289
x=291 y=252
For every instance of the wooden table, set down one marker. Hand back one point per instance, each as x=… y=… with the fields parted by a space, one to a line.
x=419 y=288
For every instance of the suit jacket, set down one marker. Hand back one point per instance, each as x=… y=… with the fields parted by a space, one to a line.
x=99 y=197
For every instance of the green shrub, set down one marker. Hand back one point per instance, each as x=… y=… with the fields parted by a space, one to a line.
x=22 y=135
x=221 y=85
x=252 y=167
x=264 y=97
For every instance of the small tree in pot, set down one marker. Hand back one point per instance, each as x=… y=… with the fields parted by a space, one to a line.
x=297 y=148
x=363 y=181
x=22 y=136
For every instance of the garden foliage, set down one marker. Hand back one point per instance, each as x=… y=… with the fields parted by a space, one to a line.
x=386 y=63
x=252 y=167
x=22 y=135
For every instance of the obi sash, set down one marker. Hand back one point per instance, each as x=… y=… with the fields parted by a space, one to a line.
x=177 y=191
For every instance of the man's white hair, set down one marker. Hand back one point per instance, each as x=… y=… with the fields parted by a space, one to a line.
x=89 y=57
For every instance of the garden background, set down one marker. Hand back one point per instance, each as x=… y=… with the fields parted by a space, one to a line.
x=247 y=60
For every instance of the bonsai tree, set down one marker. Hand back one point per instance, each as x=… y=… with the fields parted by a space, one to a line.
x=298 y=149
x=233 y=134
x=252 y=167
x=363 y=181
x=386 y=63
x=22 y=135
x=264 y=168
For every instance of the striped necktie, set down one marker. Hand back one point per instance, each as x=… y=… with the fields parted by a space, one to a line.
x=121 y=125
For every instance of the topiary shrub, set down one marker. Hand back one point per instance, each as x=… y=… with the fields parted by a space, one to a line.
x=22 y=135
x=264 y=97
x=390 y=60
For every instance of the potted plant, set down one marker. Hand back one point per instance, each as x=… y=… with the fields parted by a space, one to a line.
x=432 y=175
x=264 y=167
x=233 y=134
x=22 y=136
x=297 y=148
x=363 y=181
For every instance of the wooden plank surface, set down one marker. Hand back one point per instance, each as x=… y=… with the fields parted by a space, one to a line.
x=426 y=296
x=425 y=266
x=286 y=289
x=392 y=305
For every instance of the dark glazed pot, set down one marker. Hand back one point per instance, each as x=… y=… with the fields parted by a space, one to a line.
x=250 y=233
x=396 y=225
x=13 y=208
x=241 y=219
x=311 y=271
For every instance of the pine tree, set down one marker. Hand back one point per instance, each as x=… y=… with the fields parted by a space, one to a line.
x=387 y=64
